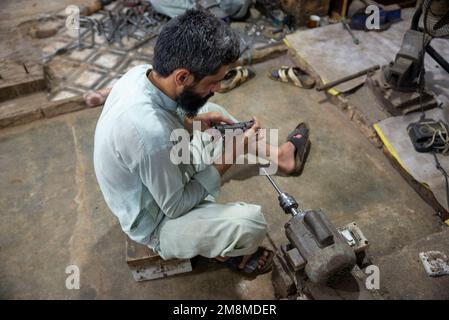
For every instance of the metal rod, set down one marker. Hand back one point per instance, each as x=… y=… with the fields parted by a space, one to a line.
x=347 y=78
x=354 y=38
x=272 y=181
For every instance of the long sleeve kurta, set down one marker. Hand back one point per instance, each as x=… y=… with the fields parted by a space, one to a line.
x=132 y=163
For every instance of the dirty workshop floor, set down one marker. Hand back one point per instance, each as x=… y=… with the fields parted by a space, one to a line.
x=53 y=214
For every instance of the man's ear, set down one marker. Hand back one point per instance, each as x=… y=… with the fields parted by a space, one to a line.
x=182 y=77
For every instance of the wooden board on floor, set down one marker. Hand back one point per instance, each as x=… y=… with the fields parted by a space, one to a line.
x=138 y=254
x=36 y=106
x=418 y=169
x=145 y=264
x=331 y=54
x=19 y=78
x=423 y=192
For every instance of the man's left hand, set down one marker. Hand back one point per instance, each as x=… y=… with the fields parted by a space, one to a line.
x=208 y=120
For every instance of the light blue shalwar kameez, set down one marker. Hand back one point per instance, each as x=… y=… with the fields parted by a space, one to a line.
x=166 y=206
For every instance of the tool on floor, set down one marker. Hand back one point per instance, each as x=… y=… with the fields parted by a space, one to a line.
x=316 y=251
x=347 y=78
x=348 y=28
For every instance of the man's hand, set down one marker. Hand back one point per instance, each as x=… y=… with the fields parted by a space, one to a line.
x=250 y=138
x=208 y=120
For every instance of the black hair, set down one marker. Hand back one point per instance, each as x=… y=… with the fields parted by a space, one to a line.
x=197 y=41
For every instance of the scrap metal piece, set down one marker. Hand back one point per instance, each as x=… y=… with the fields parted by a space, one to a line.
x=335 y=83
x=140 y=23
x=435 y=263
x=398 y=102
x=89 y=24
x=349 y=237
x=348 y=28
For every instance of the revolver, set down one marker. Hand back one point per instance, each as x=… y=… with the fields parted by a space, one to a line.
x=245 y=125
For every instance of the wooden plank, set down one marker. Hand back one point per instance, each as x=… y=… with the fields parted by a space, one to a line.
x=423 y=192
x=63 y=106
x=363 y=122
x=145 y=264
x=19 y=78
x=24 y=110
x=262 y=54
x=344 y=8
x=18 y=114
x=138 y=255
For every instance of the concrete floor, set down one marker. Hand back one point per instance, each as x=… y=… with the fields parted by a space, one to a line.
x=53 y=214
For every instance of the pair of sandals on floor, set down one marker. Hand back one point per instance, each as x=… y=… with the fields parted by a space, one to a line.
x=292 y=75
x=233 y=79
x=299 y=137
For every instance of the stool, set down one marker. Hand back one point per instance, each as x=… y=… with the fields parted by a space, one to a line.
x=145 y=264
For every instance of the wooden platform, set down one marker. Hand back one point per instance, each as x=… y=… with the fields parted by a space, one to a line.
x=145 y=264
x=328 y=54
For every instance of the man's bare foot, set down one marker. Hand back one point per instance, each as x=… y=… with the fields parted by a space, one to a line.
x=286 y=156
x=96 y=98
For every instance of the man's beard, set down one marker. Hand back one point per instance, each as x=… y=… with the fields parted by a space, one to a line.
x=191 y=102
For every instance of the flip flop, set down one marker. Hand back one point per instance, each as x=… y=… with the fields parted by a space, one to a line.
x=235 y=77
x=292 y=75
x=302 y=146
x=252 y=266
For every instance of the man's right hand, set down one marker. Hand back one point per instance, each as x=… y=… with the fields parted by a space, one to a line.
x=207 y=120
x=249 y=140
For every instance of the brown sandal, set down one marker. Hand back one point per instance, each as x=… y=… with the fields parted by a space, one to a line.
x=292 y=75
x=235 y=77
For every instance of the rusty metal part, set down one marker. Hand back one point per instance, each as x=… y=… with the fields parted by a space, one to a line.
x=138 y=22
x=398 y=102
x=347 y=78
